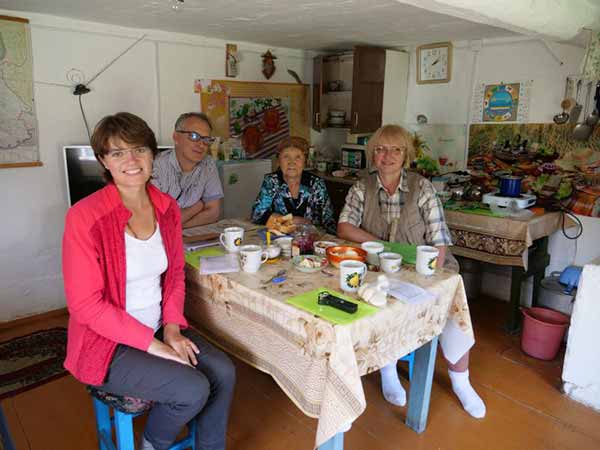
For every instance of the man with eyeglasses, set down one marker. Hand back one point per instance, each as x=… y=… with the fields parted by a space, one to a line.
x=188 y=174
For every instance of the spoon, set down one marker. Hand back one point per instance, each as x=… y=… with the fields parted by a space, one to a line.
x=277 y=275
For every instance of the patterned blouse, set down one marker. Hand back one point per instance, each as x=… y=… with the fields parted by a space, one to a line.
x=313 y=201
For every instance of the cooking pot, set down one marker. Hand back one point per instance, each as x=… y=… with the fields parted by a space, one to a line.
x=510 y=186
x=552 y=295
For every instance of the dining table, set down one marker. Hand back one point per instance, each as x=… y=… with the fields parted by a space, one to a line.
x=317 y=363
x=520 y=243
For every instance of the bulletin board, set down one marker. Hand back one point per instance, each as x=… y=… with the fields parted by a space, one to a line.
x=260 y=113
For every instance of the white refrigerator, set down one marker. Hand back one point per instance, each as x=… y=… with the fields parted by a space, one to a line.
x=241 y=182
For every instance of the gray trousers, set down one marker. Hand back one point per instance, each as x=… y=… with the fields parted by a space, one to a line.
x=180 y=393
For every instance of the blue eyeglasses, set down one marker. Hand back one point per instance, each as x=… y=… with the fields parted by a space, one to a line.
x=197 y=137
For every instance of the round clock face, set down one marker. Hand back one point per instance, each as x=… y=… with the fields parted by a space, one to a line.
x=434 y=64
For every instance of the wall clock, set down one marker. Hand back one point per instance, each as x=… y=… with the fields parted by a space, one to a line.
x=434 y=63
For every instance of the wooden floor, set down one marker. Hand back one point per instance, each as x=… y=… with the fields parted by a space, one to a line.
x=526 y=410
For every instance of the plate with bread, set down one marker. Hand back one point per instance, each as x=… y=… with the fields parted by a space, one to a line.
x=281 y=225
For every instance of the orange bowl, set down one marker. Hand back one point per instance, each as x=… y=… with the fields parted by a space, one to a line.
x=340 y=253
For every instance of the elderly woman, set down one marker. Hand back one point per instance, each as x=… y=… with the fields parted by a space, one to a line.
x=401 y=206
x=123 y=271
x=291 y=190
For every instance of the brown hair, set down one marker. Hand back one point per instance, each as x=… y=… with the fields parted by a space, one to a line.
x=394 y=133
x=125 y=126
x=293 y=141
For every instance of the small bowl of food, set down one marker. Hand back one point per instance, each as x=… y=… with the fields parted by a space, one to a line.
x=340 y=253
x=321 y=246
x=309 y=263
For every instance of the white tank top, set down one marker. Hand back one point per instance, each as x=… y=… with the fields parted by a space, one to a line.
x=145 y=261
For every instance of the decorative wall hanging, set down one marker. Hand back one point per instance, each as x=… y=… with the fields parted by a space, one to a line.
x=259 y=113
x=231 y=61
x=501 y=102
x=268 y=61
x=18 y=123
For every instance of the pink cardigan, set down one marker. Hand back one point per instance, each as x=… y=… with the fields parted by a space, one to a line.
x=94 y=277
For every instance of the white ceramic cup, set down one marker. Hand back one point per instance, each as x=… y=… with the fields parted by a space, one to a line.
x=286 y=246
x=273 y=251
x=251 y=257
x=390 y=262
x=427 y=258
x=231 y=238
x=352 y=274
x=373 y=249
x=321 y=246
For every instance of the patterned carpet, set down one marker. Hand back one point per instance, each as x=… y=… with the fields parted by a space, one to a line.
x=32 y=360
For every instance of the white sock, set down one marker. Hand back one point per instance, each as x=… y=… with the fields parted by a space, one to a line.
x=472 y=403
x=145 y=445
x=393 y=391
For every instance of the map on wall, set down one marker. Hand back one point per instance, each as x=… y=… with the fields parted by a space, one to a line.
x=501 y=102
x=261 y=122
x=18 y=124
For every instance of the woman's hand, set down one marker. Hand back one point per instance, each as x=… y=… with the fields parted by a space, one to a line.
x=184 y=347
x=162 y=350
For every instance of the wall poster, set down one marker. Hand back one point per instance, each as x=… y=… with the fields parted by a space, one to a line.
x=18 y=123
x=501 y=102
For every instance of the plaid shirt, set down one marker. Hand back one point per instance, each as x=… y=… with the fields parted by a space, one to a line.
x=432 y=212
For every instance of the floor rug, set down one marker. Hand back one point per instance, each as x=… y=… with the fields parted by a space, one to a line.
x=32 y=360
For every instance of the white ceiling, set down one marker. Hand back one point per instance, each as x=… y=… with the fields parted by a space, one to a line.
x=302 y=24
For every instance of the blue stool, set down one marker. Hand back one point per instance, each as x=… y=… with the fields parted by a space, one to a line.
x=410 y=358
x=124 y=410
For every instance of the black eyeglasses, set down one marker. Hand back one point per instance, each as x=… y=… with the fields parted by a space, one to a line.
x=197 y=137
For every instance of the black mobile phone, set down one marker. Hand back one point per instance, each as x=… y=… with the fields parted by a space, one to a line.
x=325 y=298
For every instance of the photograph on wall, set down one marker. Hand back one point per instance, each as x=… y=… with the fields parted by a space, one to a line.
x=18 y=123
x=261 y=123
x=501 y=102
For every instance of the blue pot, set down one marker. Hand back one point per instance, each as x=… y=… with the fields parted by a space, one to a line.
x=510 y=186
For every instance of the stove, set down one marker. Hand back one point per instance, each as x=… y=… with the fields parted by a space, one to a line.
x=519 y=202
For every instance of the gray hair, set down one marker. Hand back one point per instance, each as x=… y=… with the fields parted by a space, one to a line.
x=198 y=115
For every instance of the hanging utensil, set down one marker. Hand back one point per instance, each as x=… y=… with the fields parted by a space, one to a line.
x=576 y=111
x=593 y=118
x=582 y=130
x=563 y=117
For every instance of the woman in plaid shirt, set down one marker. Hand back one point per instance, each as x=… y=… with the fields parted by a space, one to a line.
x=397 y=205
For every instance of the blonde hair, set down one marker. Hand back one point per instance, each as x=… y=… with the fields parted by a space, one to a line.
x=395 y=134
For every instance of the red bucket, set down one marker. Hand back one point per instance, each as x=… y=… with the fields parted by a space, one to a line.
x=543 y=331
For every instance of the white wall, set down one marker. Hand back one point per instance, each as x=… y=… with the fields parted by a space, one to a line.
x=507 y=60
x=153 y=80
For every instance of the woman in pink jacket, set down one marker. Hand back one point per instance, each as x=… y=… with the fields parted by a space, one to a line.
x=123 y=271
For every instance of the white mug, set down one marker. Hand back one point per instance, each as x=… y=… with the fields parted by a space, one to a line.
x=373 y=249
x=251 y=257
x=390 y=262
x=286 y=246
x=427 y=258
x=352 y=274
x=231 y=238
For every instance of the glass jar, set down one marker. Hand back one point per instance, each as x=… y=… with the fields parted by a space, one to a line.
x=303 y=240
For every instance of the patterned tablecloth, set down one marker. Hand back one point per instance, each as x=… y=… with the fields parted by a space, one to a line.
x=499 y=240
x=318 y=364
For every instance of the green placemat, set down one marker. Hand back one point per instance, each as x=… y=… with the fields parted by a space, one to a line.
x=308 y=302
x=408 y=251
x=193 y=258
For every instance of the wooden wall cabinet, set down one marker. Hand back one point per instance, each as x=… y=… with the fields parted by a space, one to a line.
x=371 y=89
